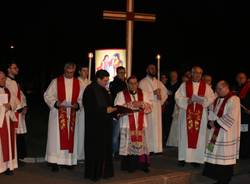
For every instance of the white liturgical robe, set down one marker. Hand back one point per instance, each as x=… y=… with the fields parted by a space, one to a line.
x=154 y=119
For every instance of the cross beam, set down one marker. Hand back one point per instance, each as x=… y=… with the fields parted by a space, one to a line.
x=129 y=16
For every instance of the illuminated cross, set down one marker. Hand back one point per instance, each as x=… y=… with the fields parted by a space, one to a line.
x=129 y=16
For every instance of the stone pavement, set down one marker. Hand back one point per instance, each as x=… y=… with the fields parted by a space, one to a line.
x=164 y=170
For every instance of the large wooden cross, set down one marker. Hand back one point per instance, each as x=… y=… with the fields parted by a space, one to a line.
x=129 y=16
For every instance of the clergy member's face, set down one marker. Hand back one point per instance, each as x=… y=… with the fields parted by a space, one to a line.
x=164 y=79
x=84 y=72
x=121 y=74
x=173 y=76
x=151 y=70
x=196 y=74
x=2 y=79
x=13 y=69
x=241 y=78
x=69 y=72
x=133 y=84
x=222 y=89
x=208 y=79
x=103 y=82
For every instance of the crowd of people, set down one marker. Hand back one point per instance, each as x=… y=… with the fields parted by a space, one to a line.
x=127 y=119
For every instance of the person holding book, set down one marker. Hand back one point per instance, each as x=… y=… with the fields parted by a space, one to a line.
x=134 y=147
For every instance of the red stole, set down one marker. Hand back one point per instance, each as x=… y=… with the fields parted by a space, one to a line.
x=135 y=135
x=219 y=114
x=4 y=136
x=67 y=136
x=17 y=113
x=194 y=114
x=244 y=90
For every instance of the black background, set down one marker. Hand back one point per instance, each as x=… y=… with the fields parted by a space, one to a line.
x=213 y=34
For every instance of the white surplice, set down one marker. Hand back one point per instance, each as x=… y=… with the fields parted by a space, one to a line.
x=185 y=153
x=13 y=87
x=81 y=123
x=226 y=148
x=125 y=140
x=9 y=115
x=154 y=119
x=54 y=154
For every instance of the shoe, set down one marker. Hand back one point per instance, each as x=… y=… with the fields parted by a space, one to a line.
x=54 y=168
x=181 y=163
x=196 y=165
x=8 y=172
x=69 y=167
x=146 y=170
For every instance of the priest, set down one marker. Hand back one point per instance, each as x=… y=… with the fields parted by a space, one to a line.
x=21 y=129
x=157 y=94
x=224 y=138
x=63 y=97
x=8 y=153
x=133 y=139
x=84 y=82
x=193 y=97
x=97 y=103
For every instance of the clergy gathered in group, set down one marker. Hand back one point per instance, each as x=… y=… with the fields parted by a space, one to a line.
x=94 y=122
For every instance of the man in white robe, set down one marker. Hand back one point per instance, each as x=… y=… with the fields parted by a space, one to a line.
x=8 y=154
x=84 y=82
x=224 y=138
x=134 y=150
x=63 y=97
x=21 y=111
x=157 y=94
x=193 y=97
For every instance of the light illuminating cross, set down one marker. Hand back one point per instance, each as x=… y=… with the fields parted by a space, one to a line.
x=129 y=16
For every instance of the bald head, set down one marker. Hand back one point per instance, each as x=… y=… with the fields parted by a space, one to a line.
x=196 y=73
x=2 y=79
x=222 y=88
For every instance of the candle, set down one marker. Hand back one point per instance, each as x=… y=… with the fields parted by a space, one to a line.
x=90 y=55
x=158 y=57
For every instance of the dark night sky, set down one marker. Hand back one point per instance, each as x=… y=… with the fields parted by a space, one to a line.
x=209 y=33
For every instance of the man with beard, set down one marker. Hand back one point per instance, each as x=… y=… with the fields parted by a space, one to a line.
x=157 y=95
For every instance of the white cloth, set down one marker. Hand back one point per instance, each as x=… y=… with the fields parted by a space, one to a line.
x=154 y=119
x=81 y=123
x=226 y=148
x=11 y=164
x=185 y=153
x=13 y=87
x=124 y=126
x=173 y=134
x=53 y=152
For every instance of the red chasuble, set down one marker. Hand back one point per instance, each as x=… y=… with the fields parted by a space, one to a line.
x=194 y=114
x=4 y=136
x=212 y=142
x=135 y=134
x=67 y=136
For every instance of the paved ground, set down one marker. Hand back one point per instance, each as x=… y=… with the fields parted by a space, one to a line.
x=40 y=173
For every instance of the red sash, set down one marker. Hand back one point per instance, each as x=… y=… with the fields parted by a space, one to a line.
x=219 y=114
x=135 y=135
x=67 y=141
x=17 y=113
x=194 y=114
x=4 y=136
x=244 y=90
